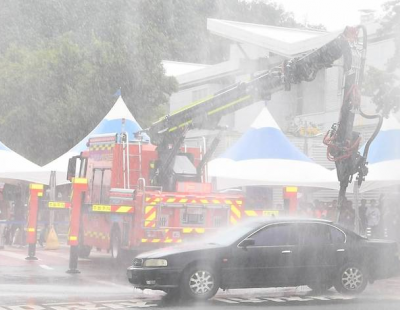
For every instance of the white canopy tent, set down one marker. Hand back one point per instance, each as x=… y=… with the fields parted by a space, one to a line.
x=383 y=158
x=15 y=168
x=118 y=119
x=265 y=156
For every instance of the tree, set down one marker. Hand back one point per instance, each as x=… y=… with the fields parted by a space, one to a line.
x=383 y=86
x=61 y=61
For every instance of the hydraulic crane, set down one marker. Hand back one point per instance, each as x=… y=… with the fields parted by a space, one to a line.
x=343 y=143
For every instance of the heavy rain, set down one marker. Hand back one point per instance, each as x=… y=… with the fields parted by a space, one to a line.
x=199 y=153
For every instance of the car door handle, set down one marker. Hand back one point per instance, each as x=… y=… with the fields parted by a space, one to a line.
x=340 y=250
x=286 y=252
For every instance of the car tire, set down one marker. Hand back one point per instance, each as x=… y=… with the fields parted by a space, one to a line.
x=351 y=279
x=199 y=282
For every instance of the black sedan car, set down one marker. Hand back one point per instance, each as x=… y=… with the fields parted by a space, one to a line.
x=268 y=253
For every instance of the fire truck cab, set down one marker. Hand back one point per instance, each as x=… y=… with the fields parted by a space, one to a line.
x=122 y=210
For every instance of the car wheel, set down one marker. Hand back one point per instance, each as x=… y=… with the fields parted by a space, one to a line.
x=199 y=282
x=352 y=279
x=320 y=287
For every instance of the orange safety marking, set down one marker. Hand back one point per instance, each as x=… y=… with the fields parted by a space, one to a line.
x=161 y=240
x=150 y=216
x=112 y=208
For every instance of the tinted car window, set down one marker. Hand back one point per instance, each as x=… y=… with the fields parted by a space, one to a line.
x=337 y=236
x=314 y=234
x=275 y=235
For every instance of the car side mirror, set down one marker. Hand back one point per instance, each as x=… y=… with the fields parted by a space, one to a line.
x=246 y=243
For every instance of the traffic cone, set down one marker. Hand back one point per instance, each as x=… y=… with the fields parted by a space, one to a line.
x=52 y=240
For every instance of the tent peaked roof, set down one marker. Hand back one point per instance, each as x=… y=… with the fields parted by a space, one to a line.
x=265 y=156
x=264 y=140
x=119 y=119
x=386 y=145
x=13 y=162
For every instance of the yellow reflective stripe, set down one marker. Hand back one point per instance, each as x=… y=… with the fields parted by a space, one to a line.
x=73 y=238
x=36 y=186
x=197 y=102
x=200 y=230
x=101 y=208
x=291 y=189
x=239 y=202
x=229 y=105
x=216 y=201
x=40 y=194
x=183 y=200
x=235 y=211
x=171 y=199
x=250 y=213
x=155 y=240
x=123 y=209
x=54 y=204
x=30 y=229
x=79 y=180
x=233 y=220
x=187 y=230
x=143 y=240
x=228 y=202
x=203 y=200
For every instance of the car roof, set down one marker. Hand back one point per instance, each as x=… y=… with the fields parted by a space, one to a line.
x=277 y=220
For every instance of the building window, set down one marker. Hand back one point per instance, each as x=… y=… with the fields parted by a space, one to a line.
x=199 y=94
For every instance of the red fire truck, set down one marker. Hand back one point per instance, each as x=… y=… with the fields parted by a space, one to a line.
x=142 y=195
x=124 y=209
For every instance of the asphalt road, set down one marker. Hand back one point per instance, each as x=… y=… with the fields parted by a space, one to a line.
x=44 y=284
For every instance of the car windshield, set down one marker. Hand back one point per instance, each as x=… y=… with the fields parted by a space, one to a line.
x=229 y=235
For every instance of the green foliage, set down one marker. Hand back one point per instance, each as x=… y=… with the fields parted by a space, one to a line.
x=383 y=86
x=61 y=61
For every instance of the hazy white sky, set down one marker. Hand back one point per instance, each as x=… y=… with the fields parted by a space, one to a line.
x=334 y=14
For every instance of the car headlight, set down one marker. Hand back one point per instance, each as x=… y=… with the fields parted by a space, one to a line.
x=155 y=263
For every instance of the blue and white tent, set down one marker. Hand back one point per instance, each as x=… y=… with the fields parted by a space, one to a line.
x=265 y=156
x=383 y=157
x=119 y=119
x=13 y=162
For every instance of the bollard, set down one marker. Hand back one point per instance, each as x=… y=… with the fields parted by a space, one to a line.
x=36 y=191
x=73 y=260
x=79 y=186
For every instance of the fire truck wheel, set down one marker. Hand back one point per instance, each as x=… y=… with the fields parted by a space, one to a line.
x=116 y=251
x=84 y=251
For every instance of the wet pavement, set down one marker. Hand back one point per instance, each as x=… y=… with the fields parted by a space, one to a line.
x=44 y=284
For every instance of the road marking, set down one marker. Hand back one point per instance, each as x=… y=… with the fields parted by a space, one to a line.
x=46 y=267
x=13 y=255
